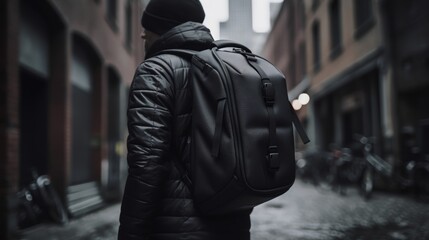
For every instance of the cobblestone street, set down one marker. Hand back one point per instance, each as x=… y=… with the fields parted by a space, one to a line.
x=304 y=213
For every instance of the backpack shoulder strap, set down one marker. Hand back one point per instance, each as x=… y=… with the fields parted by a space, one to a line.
x=184 y=53
x=298 y=126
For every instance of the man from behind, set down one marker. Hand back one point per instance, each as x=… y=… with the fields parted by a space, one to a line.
x=157 y=203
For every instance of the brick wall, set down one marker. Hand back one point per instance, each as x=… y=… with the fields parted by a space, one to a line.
x=9 y=102
x=88 y=19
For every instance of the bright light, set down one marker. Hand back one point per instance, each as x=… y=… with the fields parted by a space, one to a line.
x=261 y=16
x=216 y=12
x=304 y=98
x=296 y=104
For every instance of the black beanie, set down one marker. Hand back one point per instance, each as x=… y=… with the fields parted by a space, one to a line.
x=162 y=15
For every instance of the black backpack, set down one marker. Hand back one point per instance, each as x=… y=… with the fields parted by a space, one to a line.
x=242 y=143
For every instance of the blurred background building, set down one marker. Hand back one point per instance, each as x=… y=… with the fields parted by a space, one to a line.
x=243 y=16
x=65 y=69
x=364 y=64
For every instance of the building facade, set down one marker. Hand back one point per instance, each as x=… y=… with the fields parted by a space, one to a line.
x=65 y=69
x=239 y=26
x=364 y=65
x=407 y=41
x=350 y=79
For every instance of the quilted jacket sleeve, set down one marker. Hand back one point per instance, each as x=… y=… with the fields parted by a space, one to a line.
x=149 y=126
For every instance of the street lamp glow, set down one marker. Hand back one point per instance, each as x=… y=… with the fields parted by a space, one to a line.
x=296 y=104
x=304 y=98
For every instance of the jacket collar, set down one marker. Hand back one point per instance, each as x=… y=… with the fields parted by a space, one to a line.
x=189 y=35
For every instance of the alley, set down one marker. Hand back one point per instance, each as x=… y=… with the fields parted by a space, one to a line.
x=304 y=213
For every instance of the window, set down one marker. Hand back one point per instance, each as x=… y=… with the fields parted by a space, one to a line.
x=364 y=18
x=111 y=13
x=316 y=45
x=335 y=24
x=128 y=24
x=82 y=95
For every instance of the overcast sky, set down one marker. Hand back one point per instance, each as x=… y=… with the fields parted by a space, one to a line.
x=217 y=11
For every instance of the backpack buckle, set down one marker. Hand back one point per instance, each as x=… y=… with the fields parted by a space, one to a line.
x=273 y=160
x=268 y=92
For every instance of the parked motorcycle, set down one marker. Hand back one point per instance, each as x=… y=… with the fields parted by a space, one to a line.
x=412 y=175
x=38 y=201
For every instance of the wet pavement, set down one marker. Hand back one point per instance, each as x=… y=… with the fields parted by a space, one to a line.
x=304 y=213
x=307 y=212
x=99 y=225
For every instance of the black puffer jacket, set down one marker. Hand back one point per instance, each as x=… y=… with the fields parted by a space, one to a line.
x=156 y=203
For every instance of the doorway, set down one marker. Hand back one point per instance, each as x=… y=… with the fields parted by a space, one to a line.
x=33 y=109
x=82 y=102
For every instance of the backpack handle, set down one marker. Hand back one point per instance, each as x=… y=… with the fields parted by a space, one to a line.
x=228 y=43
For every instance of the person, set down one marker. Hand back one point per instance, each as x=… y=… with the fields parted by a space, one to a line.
x=157 y=203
